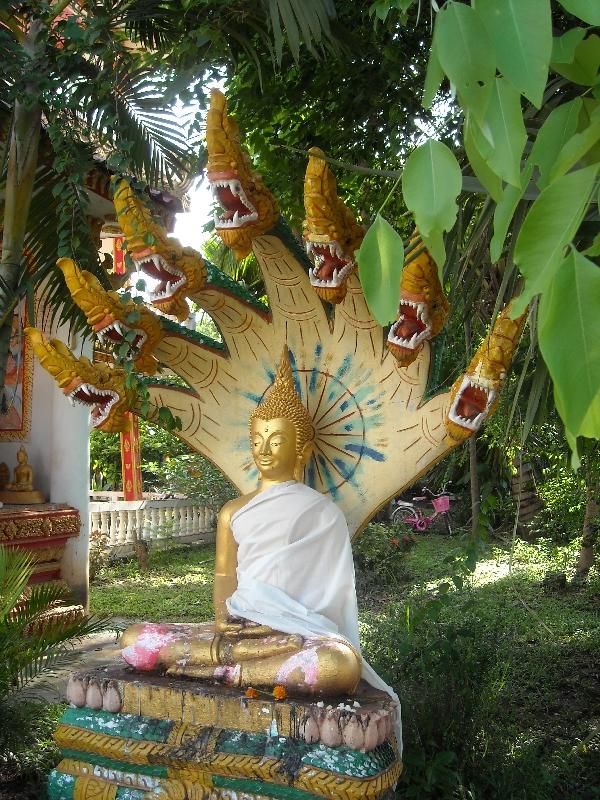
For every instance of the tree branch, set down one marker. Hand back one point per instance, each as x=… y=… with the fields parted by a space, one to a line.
x=58 y=8
x=11 y=24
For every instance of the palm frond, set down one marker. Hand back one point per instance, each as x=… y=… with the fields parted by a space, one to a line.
x=32 y=638
x=15 y=569
x=57 y=225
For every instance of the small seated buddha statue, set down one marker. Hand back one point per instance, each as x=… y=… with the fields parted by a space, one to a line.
x=284 y=594
x=21 y=490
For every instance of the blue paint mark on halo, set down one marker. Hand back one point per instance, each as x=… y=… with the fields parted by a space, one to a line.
x=255 y=398
x=343 y=468
x=312 y=478
x=314 y=375
x=344 y=367
x=344 y=405
x=294 y=367
x=331 y=487
x=363 y=450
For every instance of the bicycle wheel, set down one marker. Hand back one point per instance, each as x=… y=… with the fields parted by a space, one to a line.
x=407 y=518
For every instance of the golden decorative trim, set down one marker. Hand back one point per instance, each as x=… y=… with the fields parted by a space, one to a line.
x=94 y=789
x=41 y=525
x=128 y=778
x=170 y=789
x=310 y=778
x=43 y=554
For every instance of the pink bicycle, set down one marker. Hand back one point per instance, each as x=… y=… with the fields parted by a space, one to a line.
x=411 y=513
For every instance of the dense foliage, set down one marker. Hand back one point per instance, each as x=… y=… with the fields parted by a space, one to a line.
x=530 y=104
x=31 y=639
x=168 y=467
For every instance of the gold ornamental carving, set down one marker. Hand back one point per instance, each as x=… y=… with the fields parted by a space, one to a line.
x=40 y=527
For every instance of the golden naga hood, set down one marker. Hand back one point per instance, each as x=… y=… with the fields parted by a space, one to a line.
x=423 y=308
x=180 y=271
x=95 y=385
x=114 y=321
x=248 y=209
x=475 y=395
x=331 y=232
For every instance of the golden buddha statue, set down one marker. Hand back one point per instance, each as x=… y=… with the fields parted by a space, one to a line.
x=284 y=596
x=21 y=490
x=4 y=475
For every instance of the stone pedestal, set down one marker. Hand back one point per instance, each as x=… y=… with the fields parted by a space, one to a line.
x=128 y=736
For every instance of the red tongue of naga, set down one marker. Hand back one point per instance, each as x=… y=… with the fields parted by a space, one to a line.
x=410 y=324
x=230 y=203
x=472 y=402
x=331 y=263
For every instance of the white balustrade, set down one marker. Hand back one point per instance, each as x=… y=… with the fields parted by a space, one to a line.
x=159 y=522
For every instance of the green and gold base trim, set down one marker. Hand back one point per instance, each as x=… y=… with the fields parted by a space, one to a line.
x=134 y=756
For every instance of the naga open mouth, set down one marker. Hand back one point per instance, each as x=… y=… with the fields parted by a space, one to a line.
x=101 y=400
x=237 y=210
x=115 y=334
x=170 y=280
x=471 y=404
x=412 y=326
x=331 y=267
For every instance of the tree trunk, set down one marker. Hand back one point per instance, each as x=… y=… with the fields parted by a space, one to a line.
x=21 y=169
x=474 y=479
x=473 y=474
x=589 y=533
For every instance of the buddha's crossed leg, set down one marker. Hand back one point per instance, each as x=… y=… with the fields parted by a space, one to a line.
x=321 y=665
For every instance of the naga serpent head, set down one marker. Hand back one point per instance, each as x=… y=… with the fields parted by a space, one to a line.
x=422 y=312
x=95 y=385
x=475 y=395
x=113 y=320
x=330 y=231
x=180 y=271
x=248 y=209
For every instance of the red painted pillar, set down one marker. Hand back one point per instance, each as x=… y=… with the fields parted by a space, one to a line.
x=131 y=466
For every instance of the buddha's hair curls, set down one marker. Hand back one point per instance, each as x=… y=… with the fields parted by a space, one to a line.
x=282 y=400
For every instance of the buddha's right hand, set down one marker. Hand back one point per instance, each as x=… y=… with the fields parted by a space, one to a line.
x=229 y=626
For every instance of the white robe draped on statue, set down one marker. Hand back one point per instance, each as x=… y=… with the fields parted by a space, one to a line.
x=295 y=570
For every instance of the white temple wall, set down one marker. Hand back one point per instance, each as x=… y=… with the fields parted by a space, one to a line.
x=58 y=450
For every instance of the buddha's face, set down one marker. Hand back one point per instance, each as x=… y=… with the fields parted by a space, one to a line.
x=274 y=448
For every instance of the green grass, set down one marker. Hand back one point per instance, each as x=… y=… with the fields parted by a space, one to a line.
x=499 y=682
x=176 y=588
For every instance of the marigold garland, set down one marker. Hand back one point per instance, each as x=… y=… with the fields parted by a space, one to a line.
x=279 y=692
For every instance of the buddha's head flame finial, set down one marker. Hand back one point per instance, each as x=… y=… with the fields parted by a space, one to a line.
x=283 y=401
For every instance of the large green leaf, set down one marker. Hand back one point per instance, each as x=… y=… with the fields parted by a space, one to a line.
x=583 y=69
x=548 y=228
x=587 y=10
x=564 y=47
x=434 y=75
x=569 y=337
x=488 y=178
x=505 y=121
x=577 y=146
x=431 y=182
x=505 y=210
x=380 y=261
x=522 y=36
x=558 y=128
x=464 y=49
